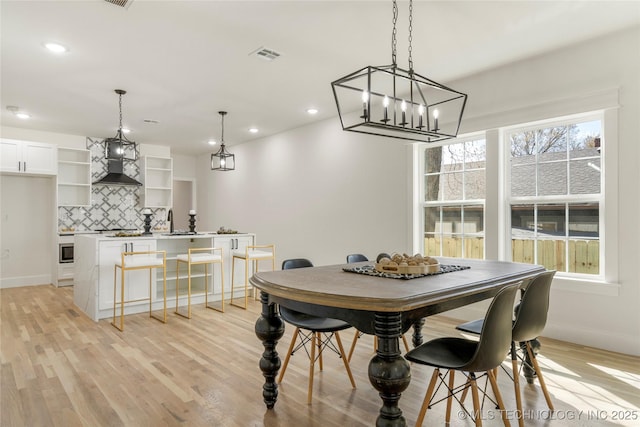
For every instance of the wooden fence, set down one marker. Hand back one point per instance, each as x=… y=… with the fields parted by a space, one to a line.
x=584 y=255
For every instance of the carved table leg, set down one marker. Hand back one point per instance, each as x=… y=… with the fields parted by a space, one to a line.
x=269 y=328
x=417 y=332
x=389 y=372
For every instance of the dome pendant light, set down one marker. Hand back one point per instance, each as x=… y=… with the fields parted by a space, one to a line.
x=119 y=147
x=223 y=160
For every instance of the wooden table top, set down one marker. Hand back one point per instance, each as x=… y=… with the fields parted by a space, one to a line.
x=331 y=286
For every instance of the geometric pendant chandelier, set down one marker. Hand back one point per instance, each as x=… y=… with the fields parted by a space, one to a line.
x=223 y=160
x=393 y=102
x=119 y=147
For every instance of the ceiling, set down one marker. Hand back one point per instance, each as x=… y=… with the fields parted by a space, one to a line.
x=183 y=61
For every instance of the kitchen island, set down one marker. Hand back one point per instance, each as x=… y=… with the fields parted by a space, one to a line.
x=96 y=255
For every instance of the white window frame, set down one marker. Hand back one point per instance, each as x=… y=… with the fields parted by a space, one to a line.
x=497 y=206
x=565 y=199
x=422 y=203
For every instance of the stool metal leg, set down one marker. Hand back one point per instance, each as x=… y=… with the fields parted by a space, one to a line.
x=206 y=293
x=188 y=315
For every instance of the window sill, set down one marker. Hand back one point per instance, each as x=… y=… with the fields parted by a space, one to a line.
x=586 y=286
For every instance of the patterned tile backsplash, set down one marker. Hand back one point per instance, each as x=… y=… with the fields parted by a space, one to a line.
x=112 y=206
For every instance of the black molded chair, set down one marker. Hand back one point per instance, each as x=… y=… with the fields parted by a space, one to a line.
x=531 y=318
x=317 y=331
x=351 y=258
x=469 y=357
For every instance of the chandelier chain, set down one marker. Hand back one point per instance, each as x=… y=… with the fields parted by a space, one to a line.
x=120 y=105
x=410 y=34
x=394 y=42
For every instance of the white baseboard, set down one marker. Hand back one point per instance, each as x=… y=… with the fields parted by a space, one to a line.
x=16 y=282
x=606 y=340
x=591 y=337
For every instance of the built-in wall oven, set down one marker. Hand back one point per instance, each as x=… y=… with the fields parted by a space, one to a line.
x=65 y=253
x=65 y=259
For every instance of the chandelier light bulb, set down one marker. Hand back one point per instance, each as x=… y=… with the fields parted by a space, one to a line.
x=436 y=114
x=403 y=106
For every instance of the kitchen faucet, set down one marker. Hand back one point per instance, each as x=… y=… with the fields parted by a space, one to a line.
x=170 y=219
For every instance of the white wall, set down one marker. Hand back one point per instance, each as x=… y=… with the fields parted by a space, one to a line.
x=26 y=230
x=315 y=192
x=319 y=192
x=600 y=315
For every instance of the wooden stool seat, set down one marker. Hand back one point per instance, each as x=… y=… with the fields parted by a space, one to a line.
x=139 y=261
x=199 y=256
x=252 y=253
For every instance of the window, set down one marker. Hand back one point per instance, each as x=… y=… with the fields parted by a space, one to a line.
x=555 y=194
x=453 y=199
x=546 y=198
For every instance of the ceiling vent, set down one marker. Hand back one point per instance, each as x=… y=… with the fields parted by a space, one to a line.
x=121 y=3
x=266 y=54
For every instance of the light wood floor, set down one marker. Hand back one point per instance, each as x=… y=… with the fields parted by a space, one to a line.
x=59 y=368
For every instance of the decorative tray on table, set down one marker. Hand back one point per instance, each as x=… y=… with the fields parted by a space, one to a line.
x=405 y=264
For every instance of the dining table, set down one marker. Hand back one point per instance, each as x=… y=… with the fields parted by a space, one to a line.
x=381 y=304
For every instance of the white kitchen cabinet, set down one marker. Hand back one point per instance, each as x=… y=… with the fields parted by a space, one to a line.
x=28 y=158
x=157 y=178
x=136 y=282
x=74 y=177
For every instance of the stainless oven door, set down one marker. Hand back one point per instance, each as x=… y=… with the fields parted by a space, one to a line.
x=65 y=253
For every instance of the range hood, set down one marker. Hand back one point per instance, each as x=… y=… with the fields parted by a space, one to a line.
x=115 y=175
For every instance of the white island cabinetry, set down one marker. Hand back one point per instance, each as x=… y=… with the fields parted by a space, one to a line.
x=96 y=255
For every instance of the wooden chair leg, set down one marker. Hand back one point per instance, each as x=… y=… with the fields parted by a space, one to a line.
x=344 y=360
x=476 y=400
x=353 y=345
x=543 y=385
x=286 y=359
x=516 y=384
x=406 y=344
x=427 y=397
x=450 y=396
x=311 y=367
x=319 y=344
x=496 y=392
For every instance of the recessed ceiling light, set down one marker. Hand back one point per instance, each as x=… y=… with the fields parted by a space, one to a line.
x=312 y=110
x=56 y=47
x=212 y=142
x=253 y=130
x=18 y=113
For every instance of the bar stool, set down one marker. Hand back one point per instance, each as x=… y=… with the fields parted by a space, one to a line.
x=198 y=256
x=139 y=261
x=253 y=253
